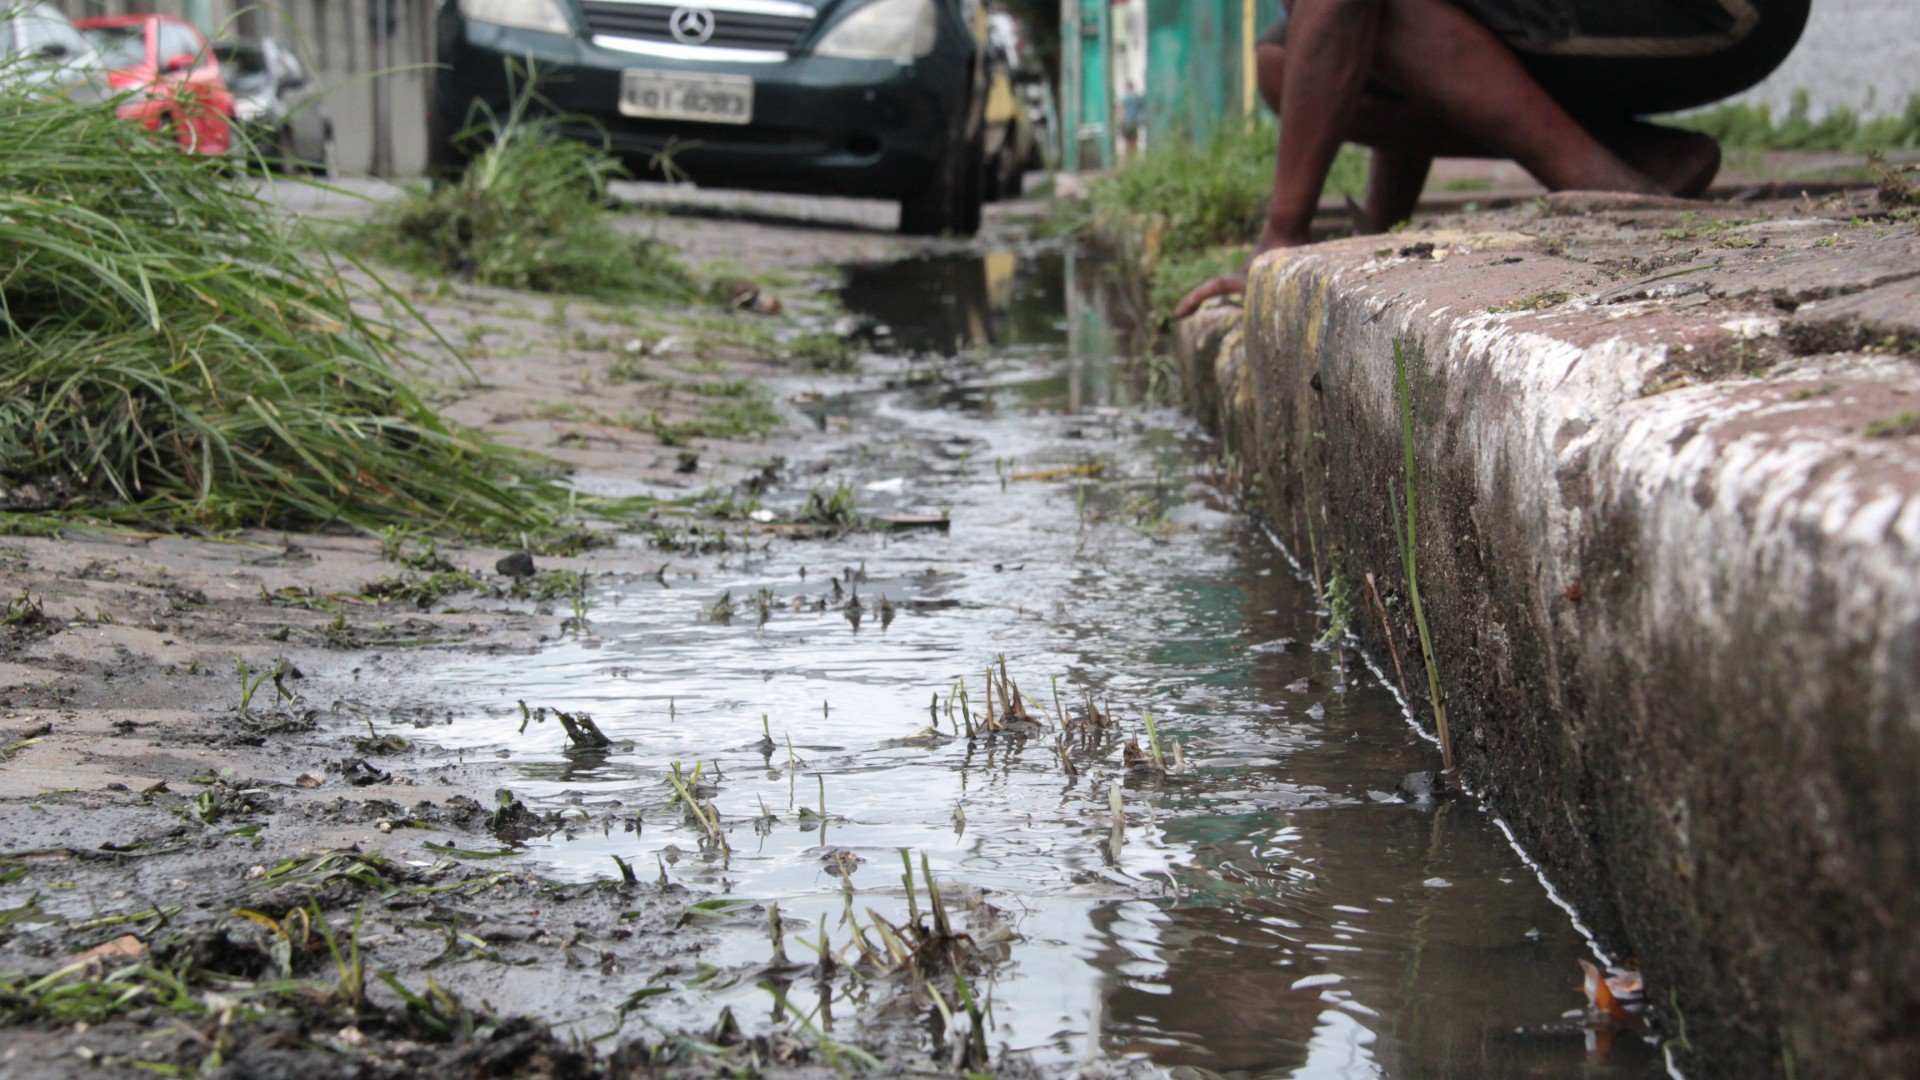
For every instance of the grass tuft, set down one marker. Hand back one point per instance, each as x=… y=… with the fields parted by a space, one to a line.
x=531 y=212
x=1194 y=207
x=1748 y=126
x=170 y=354
x=1407 y=534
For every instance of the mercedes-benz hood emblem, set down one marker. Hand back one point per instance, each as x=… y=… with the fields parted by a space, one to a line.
x=691 y=25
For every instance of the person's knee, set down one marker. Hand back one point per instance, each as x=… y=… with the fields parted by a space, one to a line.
x=1270 y=67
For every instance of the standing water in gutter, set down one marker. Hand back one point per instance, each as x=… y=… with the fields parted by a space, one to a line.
x=1266 y=903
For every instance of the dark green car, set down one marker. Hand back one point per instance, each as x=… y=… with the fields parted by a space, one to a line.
x=868 y=98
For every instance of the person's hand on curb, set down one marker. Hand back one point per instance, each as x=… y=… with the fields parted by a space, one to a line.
x=1226 y=285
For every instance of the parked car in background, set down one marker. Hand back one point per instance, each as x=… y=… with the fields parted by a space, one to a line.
x=875 y=98
x=1032 y=86
x=40 y=46
x=1011 y=142
x=276 y=104
x=170 y=79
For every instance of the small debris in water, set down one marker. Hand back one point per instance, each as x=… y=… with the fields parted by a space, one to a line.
x=1421 y=787
x=1065 y=472
x=1600 y=995
x=357 y=772
x=840 y=862
x=582 y=732
x=909 y=522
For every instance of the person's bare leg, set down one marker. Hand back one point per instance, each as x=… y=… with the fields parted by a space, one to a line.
x=1449 y=65
x=1394 y=183
x=1270 y=74
x=1405 y=139
x=1399 y=170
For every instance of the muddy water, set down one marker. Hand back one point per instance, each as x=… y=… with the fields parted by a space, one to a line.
x=1271 y=910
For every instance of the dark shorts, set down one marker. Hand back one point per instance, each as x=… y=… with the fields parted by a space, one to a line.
x=1620 y=58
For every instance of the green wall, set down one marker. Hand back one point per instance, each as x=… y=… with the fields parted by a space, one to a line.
x=1195 y=51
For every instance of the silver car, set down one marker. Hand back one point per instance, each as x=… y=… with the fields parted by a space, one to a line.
x=39 y=45
x=277 y=105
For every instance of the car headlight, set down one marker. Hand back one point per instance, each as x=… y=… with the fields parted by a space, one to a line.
x=897 y=30
x=520 y=14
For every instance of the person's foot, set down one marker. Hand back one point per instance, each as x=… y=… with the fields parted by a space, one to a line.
x=1688 y=166
x=1680 y=163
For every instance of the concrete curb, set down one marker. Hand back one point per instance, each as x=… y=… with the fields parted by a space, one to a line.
x=1669 y=547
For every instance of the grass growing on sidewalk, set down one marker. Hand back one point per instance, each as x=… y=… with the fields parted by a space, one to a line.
x=1744 y=126
x=1188 y=211
x=530 y=212
x=171 y=355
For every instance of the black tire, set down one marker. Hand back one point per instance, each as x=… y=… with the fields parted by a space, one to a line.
x=950 y=205
x=1013 y=172
x=328 y=167
x=446 y=160
x=286 y=152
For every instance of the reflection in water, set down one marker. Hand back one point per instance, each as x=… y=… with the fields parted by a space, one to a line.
x=1273 y=911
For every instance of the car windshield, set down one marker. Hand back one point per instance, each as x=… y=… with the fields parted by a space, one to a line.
x=119 y=46
x=244 y=67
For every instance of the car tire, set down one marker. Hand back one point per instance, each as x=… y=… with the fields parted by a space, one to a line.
x=328 y=167
x=446 y=161
x=950 y=205
x=1013 y=172
x=286 y=152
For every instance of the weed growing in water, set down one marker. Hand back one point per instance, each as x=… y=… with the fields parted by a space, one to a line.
x=832 y=508
x=1407 y=534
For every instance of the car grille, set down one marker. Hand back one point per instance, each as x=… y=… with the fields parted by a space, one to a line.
x=731 y=29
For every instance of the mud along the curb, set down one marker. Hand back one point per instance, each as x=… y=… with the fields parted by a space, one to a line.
x=1668 y=542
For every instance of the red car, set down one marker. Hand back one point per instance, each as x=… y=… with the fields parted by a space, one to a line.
x=174 y=78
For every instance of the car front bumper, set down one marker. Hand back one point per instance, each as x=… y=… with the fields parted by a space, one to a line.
x=820 y=125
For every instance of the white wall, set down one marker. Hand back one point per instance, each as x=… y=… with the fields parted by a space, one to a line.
x=1864 y=54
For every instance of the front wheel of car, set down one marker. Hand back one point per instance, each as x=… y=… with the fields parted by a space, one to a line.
x=1013 y=168
x=328 y=167
x=446 y=160
x=950 y=204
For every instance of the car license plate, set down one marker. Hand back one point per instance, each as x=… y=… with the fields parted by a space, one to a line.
x=669 y=95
